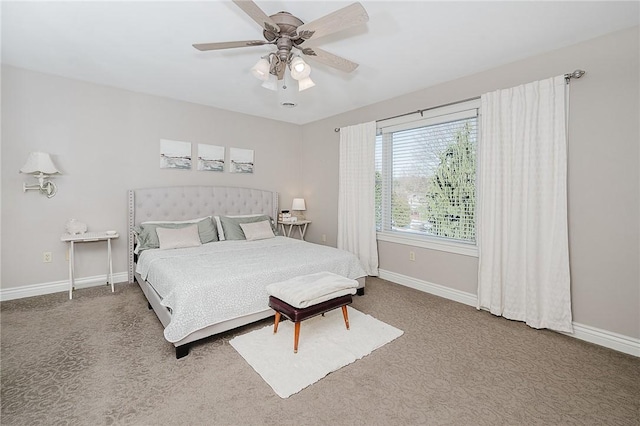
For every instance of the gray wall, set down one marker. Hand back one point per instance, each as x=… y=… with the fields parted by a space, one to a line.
x=604 y=185
x=106 y=141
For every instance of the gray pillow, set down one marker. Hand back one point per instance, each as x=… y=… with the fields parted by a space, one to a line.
x=148 y=237
x=232 y=229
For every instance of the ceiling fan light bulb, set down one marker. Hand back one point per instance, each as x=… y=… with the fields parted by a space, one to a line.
x=305 y=84
x=299 y=68
x=261 y=69
x=299 y=65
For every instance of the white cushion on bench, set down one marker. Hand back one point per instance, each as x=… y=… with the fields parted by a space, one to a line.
x=309 y=290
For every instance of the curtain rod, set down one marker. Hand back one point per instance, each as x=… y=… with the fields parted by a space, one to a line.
x=567 y=78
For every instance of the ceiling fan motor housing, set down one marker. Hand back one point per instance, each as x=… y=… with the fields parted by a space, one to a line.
x=288 y=27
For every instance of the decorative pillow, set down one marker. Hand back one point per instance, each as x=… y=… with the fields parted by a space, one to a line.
x=257 y=231
x=178 y=237
x=231 y=225
x=148 y=238
x=216 y=220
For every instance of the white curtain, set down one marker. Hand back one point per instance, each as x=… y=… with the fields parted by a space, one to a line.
x=522 y=205
x=356 y=194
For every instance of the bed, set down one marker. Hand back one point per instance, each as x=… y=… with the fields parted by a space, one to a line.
x=198 y=292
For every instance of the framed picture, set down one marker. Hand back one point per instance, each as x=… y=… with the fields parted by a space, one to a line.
x=175 y=154
x=210 y=157
x=241 y=160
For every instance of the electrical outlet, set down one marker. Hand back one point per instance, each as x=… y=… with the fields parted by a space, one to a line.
x=324 y=238
x=46 y=257
x=412 y=256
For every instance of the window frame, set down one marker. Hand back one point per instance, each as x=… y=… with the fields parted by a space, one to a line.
x=433 y=116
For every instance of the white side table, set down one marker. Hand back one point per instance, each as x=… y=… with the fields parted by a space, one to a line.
x=301 y=225
x=87 y=238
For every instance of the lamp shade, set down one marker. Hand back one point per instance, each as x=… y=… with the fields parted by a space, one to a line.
x=39 y=162
x=299 y=68
x=298 y=204
x=271 y=83
x=261 y=69
x=305 y=84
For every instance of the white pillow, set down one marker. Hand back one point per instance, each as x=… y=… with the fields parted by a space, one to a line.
x=257 y=230
x=178 y=238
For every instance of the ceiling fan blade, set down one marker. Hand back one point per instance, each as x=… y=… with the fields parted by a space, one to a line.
x=341 y=19
x=330 y=59
x=252 y=9
x=229 y=44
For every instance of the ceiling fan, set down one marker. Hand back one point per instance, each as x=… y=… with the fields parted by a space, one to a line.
x=285 y=31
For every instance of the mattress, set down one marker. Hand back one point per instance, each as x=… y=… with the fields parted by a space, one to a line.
x=222 y=280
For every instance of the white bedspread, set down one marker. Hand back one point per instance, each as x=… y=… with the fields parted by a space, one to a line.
x=222 y=280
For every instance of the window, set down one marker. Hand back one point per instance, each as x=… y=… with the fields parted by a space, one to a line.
x=426 y=175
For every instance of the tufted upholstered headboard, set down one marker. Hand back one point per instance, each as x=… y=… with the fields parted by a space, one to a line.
x=191 y=202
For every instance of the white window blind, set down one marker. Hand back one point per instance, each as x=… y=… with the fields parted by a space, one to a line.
x=425 y=176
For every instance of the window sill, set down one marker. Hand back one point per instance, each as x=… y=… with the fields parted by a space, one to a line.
x=429 y=243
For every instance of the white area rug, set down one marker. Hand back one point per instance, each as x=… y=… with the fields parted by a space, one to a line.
x=325 y=345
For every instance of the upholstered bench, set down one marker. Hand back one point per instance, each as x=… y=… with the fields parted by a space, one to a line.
x=306 y=296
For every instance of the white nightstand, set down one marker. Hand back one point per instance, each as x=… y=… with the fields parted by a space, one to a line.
x=301 y=224
x=87 y=238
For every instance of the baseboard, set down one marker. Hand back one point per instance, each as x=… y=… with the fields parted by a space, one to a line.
x=608 y=339
x=427 y=287
x=58 y=286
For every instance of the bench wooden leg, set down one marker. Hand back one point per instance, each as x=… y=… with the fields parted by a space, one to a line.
x=276 y=322
x=346 y=316
x=296 y=337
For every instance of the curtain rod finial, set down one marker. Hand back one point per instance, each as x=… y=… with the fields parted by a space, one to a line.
x=575 y=74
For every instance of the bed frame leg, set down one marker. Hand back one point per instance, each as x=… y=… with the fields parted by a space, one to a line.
x=360 y=291
x=182 y=351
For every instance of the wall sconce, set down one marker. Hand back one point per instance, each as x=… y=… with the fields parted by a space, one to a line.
x=297 y=206
x=41 y=166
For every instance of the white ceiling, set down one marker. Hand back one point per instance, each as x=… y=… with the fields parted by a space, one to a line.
x=406 y=46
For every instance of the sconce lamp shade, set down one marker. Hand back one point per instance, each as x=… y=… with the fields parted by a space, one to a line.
x=298 y=204
x=39 y=162
x=40 y=165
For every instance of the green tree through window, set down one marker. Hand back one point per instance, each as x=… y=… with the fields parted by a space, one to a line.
x=429 y=173
x=451 y=197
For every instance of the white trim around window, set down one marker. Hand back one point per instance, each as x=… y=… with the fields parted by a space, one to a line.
x=433 y=243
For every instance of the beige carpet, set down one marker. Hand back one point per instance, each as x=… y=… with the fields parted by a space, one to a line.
x=100 y=359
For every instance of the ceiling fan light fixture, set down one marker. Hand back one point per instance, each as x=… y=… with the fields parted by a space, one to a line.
x=261 y=69
x=285 y=31
x=299 y=68
x=305 y=84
